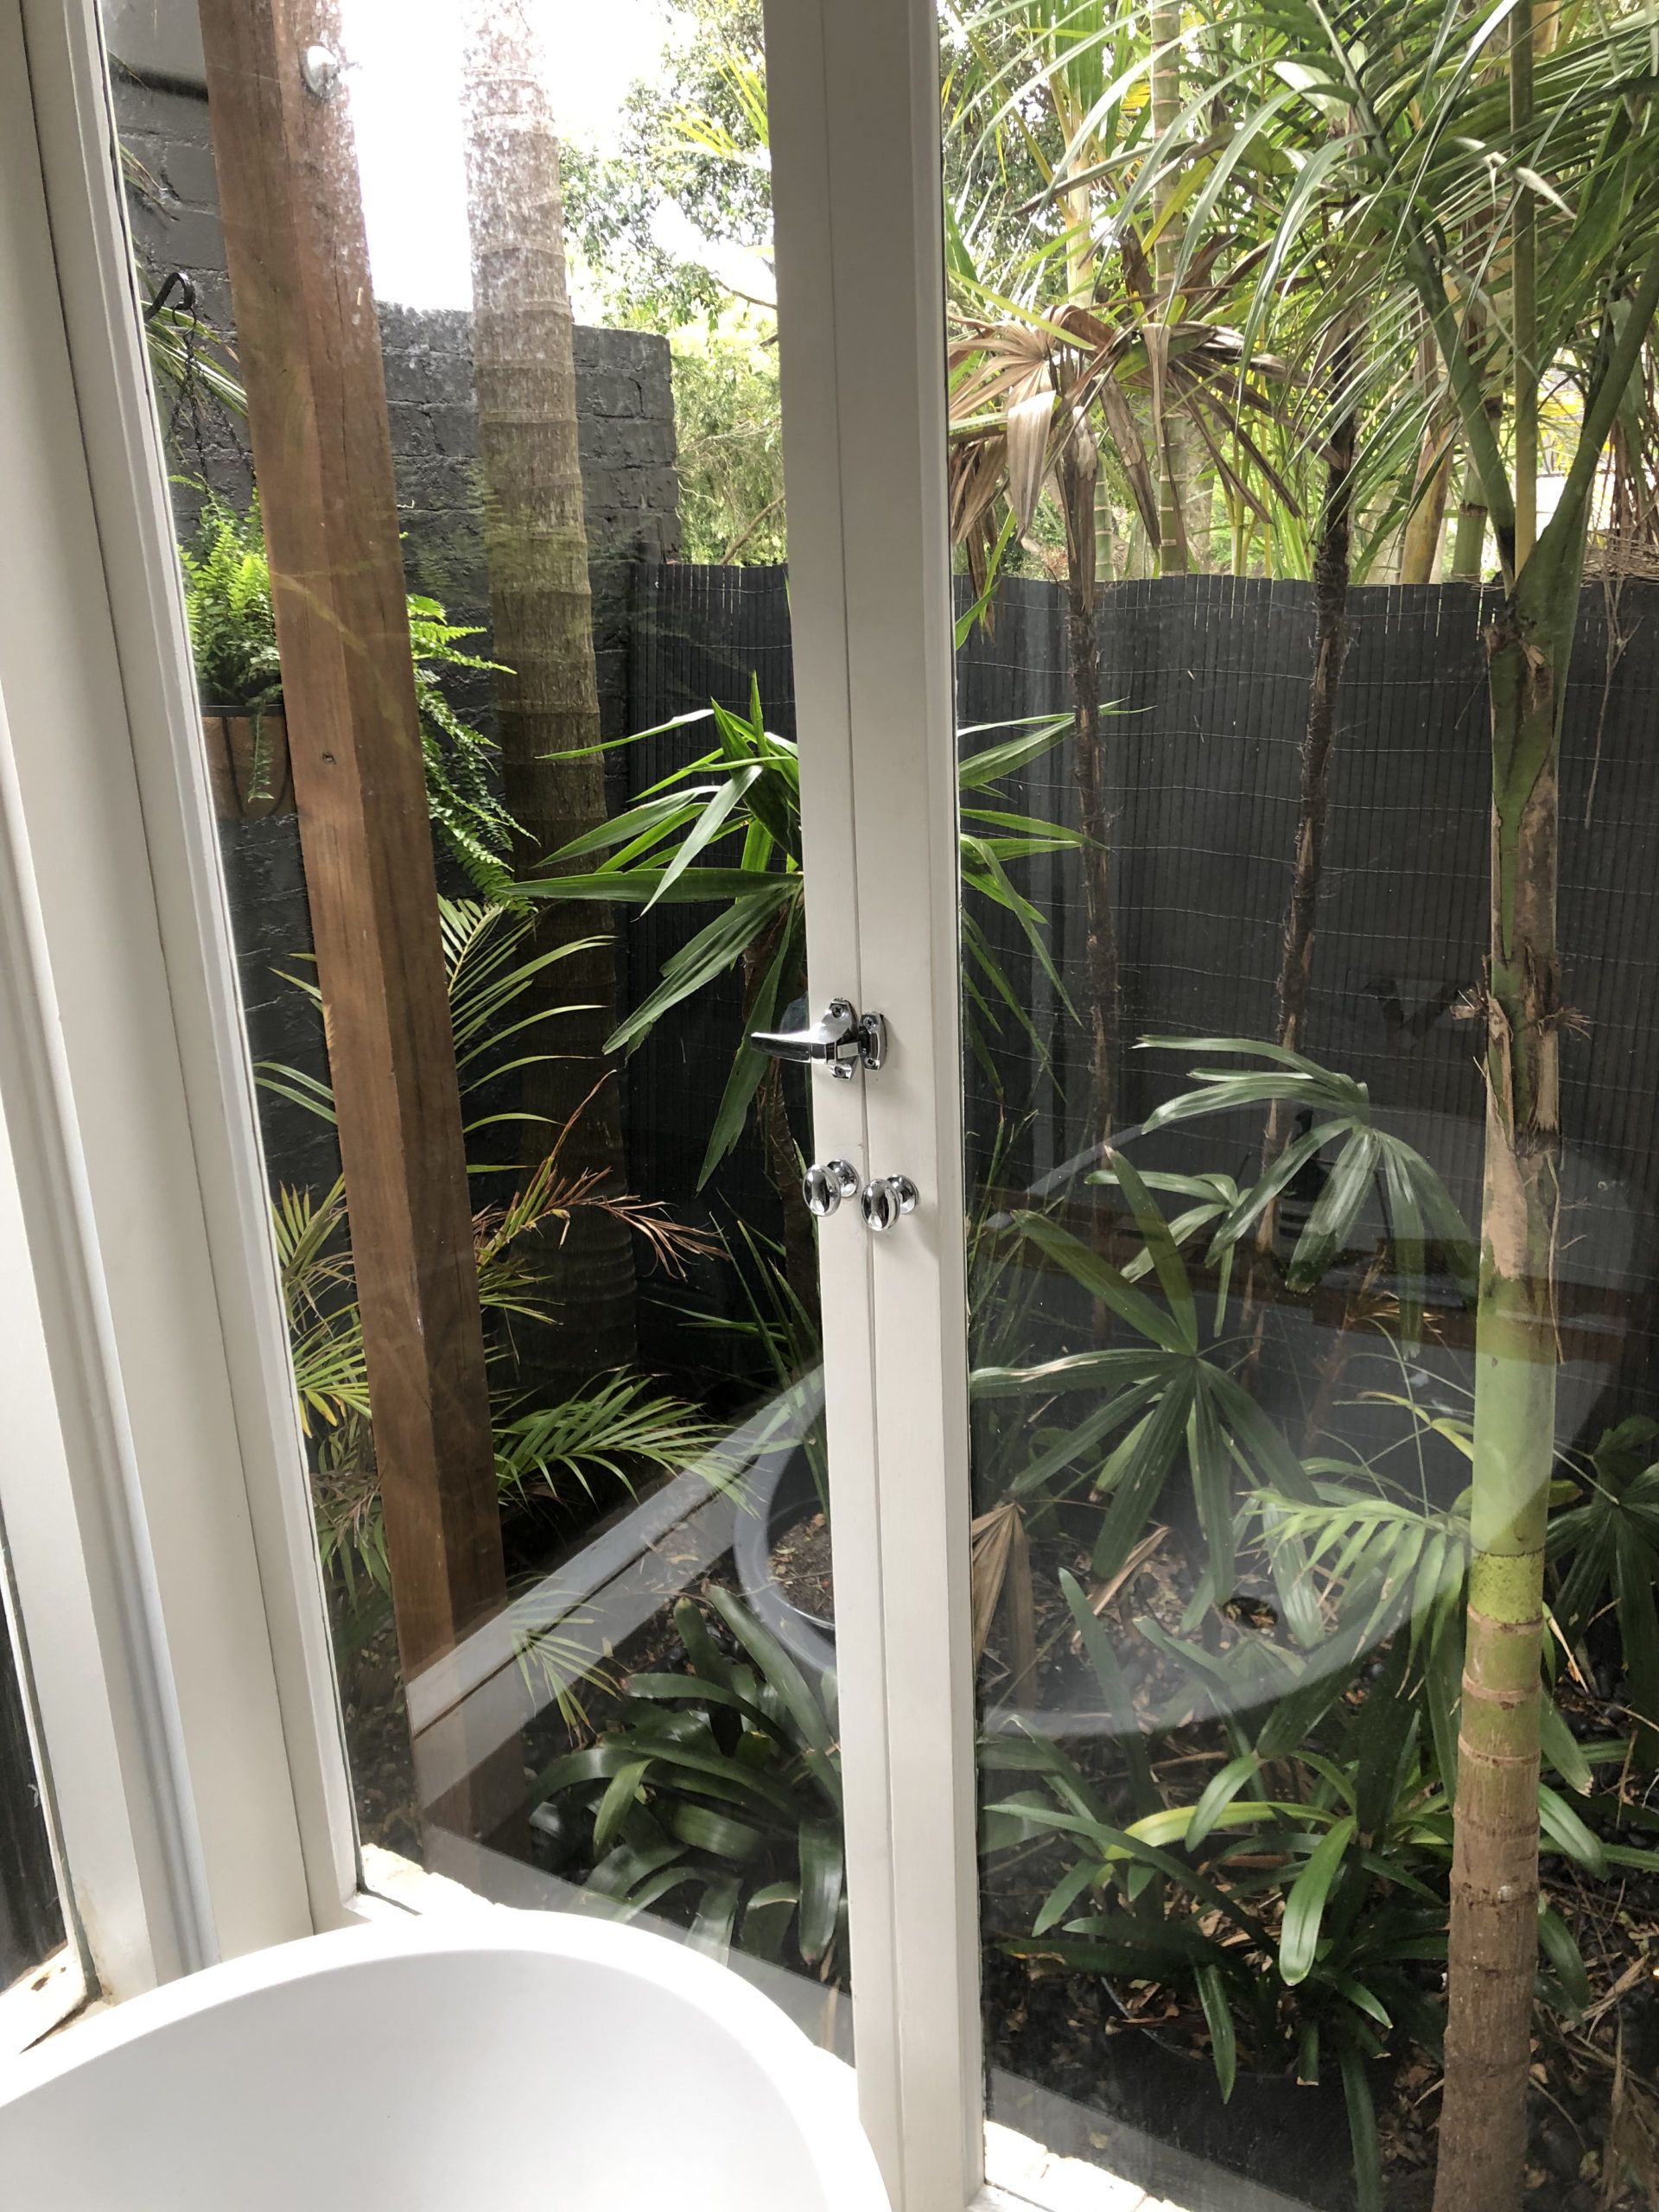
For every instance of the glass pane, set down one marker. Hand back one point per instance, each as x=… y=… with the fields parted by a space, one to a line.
x=577 y=1565
x=31 y=1911
x=1271 y=1035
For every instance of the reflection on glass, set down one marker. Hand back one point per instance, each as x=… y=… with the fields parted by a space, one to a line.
x=31 y=1912
x=587 y=1659
x=1315 y=1407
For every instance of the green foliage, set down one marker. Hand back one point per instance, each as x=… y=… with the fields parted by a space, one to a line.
x=724 y=1782
x=487 y=977
x=616 y=1424
x=325 y=1330
x=694 y=147
x=728 y=434
x=1608 y=1547
x=187 y=357
x=1298 y=1899
x=663 y=847
x=1402 y=215
x=227 y=600
x=1168 y=1395
x=460 y=794
x=1420 y=1209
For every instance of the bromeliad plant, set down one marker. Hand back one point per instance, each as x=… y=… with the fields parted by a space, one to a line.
x=720 y=1787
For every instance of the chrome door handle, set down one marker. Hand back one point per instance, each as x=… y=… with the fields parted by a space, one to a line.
x=824 y=1187
x=843 y=1040
x=884 y=1200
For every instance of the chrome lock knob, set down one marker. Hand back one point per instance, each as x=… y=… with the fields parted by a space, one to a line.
x=823 y=1186
x=884 y=1200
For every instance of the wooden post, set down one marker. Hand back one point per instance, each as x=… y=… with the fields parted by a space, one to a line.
x=308 y=351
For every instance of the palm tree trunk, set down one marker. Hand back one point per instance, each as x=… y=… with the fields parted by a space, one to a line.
x=1494 y=1934
x=536 y=542
x=1079 y=466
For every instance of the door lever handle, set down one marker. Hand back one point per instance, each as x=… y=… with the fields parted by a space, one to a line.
x=841 y=1041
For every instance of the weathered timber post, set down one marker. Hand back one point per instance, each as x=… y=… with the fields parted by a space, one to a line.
x=308 y=350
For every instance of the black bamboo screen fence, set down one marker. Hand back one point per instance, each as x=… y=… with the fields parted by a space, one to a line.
x=1208 y=678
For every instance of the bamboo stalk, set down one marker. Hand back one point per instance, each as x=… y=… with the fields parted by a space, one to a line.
x=1079 y=465
x=1425 y=524
x=1493 y=1937
x=1469 y=539
x=1166 y=32
x=1331 y=562
x=1525 y=298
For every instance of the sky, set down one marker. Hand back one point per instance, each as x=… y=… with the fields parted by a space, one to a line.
x=405 y=64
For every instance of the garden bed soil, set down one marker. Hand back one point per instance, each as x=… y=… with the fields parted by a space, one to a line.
x=800 y=1567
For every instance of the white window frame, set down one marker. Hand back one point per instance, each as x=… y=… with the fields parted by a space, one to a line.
x=166 y=1579
x=166 y=1565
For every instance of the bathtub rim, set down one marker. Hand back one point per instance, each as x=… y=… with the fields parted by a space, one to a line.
x=820 y=2100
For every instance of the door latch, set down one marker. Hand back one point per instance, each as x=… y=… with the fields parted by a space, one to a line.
x=842 y=1040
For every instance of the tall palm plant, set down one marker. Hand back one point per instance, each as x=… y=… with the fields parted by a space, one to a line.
x=1507 y=201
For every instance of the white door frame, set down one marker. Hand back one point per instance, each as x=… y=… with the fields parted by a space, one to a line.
x=853 y=95
x=166 y=1566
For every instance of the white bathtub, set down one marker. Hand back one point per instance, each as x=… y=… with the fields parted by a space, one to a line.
x=522 y=2060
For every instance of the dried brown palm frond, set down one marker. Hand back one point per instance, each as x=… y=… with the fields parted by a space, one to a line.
x=506 y=1280
x=1024 y=391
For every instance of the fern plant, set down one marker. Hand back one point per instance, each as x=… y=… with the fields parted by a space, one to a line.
x=227 y=600
x=233 y=636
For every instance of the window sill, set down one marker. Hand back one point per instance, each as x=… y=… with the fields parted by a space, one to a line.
x=39 y=2001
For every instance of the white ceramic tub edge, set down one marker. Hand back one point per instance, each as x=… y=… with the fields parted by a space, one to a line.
x=724 y=2024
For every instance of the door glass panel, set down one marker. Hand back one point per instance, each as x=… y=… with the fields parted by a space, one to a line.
x=1265 y=1046
x=507 y=607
